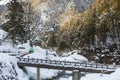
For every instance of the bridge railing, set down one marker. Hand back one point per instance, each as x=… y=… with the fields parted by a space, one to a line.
x=64 y=63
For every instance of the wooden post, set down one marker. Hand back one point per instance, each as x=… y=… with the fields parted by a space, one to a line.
x=38 y=73
x=79 y=75
x=76 y=75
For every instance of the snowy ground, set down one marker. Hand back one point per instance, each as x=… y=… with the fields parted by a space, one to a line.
x=46 y=54
x=113 y=76
x=9 y=69
x=41 y=53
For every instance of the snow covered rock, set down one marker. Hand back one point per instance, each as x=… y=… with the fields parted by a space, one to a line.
x=75 y=56
x=9 y=69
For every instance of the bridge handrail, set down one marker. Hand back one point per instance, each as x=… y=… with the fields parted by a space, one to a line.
x=65 y=63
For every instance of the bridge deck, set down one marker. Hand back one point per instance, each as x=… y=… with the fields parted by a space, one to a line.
x=66 y=65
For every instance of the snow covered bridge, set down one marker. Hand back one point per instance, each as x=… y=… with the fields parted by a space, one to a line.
x=76 y=67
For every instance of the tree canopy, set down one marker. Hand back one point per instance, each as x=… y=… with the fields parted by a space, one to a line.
x=15 y=26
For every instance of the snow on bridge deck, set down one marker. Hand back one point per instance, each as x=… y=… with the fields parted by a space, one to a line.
x=66 y=65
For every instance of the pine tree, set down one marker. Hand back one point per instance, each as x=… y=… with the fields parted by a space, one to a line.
x=16 y=24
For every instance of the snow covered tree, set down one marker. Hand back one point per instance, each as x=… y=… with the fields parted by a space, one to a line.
x=16 y=22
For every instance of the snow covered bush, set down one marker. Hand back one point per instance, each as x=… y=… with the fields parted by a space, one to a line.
x=9 y=69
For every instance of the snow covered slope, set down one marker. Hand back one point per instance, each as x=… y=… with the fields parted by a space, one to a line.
x=9 y=69
x=6 y=45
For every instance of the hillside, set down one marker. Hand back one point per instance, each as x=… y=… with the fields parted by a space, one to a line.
x=65 y=25
x=100 y=14
x=98 y=8
x=56 y=9
x=82 y=34
x=53 y=13
x=96 y=28
x=50 y=14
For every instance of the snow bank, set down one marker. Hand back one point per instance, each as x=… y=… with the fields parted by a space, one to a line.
x=6 y=45
x=39 y=53
x=75 y=56
x=44 y=73
x=2 y=34
x=112 y=76
x=45 y=54
x=115 y=75
x=70 y=78
x=9 y=69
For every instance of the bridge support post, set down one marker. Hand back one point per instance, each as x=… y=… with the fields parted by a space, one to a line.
x=76 y=75
x=38 y=73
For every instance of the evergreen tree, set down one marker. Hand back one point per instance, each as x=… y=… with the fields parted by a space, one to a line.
x=15 y=24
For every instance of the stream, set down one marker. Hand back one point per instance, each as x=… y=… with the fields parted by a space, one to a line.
x=65 y=76
x=59 y=78
x=61 y=75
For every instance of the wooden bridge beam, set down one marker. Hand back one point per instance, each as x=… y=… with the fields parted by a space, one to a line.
x=76 y=75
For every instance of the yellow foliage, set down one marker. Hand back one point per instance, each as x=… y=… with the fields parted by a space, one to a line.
x=101 y=7
x=36 y=3
x=66 y=17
